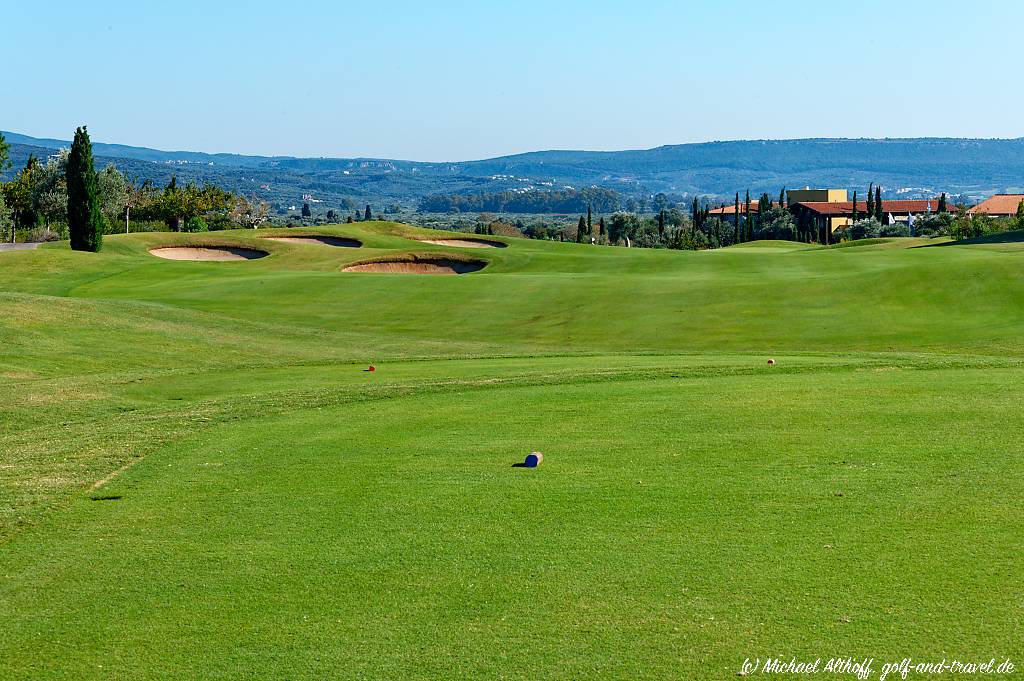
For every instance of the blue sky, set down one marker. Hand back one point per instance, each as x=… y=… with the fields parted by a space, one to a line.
x=461 y=80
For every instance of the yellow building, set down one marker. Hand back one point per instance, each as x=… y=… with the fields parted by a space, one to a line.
x=820 y=196
x=808 y=195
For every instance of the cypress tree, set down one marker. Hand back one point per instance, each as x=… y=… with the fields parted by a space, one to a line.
x=871 y=200
x=368 y=216
x=782 y=198
x=693 y=211
x=943 y=208
x=736 y=219
x=879 y=209
x=661 y=223
x=747 y=227
x=590 y=220
x=600 y=227
x=85 y=221
x=581 y=230
x=855 y=205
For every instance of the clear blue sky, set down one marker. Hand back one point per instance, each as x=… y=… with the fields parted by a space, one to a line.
x=459 y=80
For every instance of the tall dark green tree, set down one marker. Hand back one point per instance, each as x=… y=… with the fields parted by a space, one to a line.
x=879 y=209
x=782 y=198
x=748 y=228
x=943 y=208
x=661 y=223
x=581 y=231
x=855 y=205
x=85 y=221
x=871 y=200
x=601 y=229
x=368 y=215
x=736 y=220
x=694 y=211
x=590 y=220
x=306 y=212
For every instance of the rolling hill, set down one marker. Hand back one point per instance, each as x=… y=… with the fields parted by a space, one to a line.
x=905 y=167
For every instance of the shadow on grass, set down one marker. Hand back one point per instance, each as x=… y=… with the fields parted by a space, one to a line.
x=1014 y=237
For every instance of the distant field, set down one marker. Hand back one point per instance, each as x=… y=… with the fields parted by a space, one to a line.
x=199 y=479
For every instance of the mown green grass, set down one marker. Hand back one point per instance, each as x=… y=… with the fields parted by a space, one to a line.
x=198 y=479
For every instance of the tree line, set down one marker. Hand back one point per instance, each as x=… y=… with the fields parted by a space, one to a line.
x=66 y=197
x=554 y=201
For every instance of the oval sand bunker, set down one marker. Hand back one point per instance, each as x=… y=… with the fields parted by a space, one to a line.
x=340 y=242
x=207 y=253
x=465 y=243
x=421 y=266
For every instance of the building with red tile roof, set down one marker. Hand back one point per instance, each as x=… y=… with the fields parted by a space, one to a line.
x=729 y=211
x=999 y=206
x=827 y=217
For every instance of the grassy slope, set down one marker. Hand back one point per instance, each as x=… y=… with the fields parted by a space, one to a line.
x=297 y=515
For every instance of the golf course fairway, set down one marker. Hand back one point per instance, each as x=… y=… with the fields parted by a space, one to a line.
x=199 y=478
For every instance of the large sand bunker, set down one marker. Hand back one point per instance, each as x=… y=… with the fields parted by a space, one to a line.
x=419 y=266
x=465 y=243
x=338 y=241
x=211 y=253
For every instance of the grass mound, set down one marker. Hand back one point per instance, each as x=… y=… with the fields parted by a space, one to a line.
x=1014 y=237
x=316 y=240
x=770 y=246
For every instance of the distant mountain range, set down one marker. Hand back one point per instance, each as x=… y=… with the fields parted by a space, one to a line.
x=904 y=167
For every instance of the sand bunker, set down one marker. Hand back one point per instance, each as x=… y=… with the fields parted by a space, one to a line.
x=465 y=243
x=338 y=241
x=419 y=266
x=212 y=253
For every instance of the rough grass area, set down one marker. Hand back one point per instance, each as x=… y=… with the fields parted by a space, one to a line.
x=199 y=479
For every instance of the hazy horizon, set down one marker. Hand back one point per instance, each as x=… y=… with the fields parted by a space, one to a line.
x=447 y=82
x=531 y=151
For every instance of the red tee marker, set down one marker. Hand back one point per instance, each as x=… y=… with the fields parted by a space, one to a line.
x=372 y=368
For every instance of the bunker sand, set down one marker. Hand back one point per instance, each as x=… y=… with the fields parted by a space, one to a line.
x=207 y=253
x=425 y=266
x=464 y=243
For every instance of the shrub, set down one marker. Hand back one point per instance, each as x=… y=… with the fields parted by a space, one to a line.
x=932 y=224
x=864 y=229
x=218 y=222
x=898 y=229
x=41 y=234
x=195 y=224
